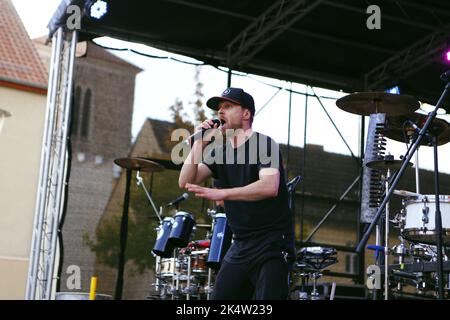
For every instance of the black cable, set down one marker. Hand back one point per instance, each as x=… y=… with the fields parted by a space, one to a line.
x=66 y=197
x=234 y=73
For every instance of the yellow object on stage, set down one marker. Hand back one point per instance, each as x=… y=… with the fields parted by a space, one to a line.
x=93 y=288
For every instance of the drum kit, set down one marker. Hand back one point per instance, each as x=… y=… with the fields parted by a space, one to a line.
x=393 y=116
x=184 y=267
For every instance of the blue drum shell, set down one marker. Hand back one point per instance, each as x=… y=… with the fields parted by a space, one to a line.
x=162 y=246
x=183 y=224
x=220 y=241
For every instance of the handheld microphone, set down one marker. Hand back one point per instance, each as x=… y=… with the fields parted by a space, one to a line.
x=199 y=134
x=183 y=197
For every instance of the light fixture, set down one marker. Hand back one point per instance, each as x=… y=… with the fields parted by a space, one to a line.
x=98 y=9
x=394 y=90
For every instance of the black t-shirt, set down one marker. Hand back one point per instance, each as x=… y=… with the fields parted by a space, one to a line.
x=263 y=228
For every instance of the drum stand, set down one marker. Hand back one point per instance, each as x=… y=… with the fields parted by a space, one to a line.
x=209 y=288
x=416 y=164
x=188 y=285
x=438 y=219
x=140 y=182
x=410 y=152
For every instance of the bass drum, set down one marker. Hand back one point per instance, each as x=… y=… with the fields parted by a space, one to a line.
x=420 y=219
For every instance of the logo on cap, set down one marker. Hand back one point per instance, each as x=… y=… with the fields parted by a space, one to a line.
x=226 y=92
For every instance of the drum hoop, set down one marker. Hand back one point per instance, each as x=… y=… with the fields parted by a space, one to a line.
x=200 y=252
x=430 y=198
x=184 y=214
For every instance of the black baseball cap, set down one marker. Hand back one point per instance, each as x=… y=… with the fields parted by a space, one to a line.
x=235 y=95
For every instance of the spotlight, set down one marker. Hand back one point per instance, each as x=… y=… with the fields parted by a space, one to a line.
x=394 y=90
x=98 y=9
x=447 y=56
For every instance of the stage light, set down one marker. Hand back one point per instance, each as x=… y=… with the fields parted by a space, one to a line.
x=394 y=90
x=98 y=9
x=447 y=56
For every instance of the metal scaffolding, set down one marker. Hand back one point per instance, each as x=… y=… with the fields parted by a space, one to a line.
x=53 y=169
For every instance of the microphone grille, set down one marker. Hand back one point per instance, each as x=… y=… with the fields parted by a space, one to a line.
x=185 y=195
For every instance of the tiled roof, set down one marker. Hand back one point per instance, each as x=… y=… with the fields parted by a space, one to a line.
x=19 y=60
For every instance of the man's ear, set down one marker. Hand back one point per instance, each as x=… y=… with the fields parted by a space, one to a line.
x=247 y=114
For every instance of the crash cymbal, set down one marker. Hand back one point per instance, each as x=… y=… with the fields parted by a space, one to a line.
x=385 y=164
x=367 y=103
x=138 y=164
x=399 y=127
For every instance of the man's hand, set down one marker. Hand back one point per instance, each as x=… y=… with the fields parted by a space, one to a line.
x=207 y=193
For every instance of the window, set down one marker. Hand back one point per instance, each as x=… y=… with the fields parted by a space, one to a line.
x=76 y=110
x=86 y=114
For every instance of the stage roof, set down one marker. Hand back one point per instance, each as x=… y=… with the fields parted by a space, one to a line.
x=317 y=42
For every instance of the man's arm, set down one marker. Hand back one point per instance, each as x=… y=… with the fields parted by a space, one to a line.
x=192 y=171
x=265 y=187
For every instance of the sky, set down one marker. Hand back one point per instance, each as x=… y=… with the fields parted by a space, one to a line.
x=163 y=81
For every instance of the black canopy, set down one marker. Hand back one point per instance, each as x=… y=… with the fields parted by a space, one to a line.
x=323 y=43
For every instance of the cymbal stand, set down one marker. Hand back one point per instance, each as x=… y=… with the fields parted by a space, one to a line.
x=188 y=285
x=386 y=241
x=140 y=182
x=209 y=287
x=416 y=161
x=438 y=220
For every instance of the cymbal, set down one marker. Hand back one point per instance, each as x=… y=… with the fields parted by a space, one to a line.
x=405 y=193
x=367 y=103
x=397 y=128
x=139 y=164
x=385 y=164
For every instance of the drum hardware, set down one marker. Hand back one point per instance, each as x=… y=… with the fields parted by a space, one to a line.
x=311 y=262
x=129 y=164
x=405 y=193
x=409 y=154
x=404 y=129
x=420 y=226
x=387 y=163
x=368 y=103
x=140 y=182
x=185 y=274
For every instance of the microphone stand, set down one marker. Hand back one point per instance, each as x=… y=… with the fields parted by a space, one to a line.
x=411 y=150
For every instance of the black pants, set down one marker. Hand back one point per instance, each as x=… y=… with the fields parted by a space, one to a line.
x=266 y=281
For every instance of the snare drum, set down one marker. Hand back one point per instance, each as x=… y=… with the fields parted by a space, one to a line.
x=420 y=219
x=162 y=248
x=220 y=242
x=183 y=223
x=168 y=267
